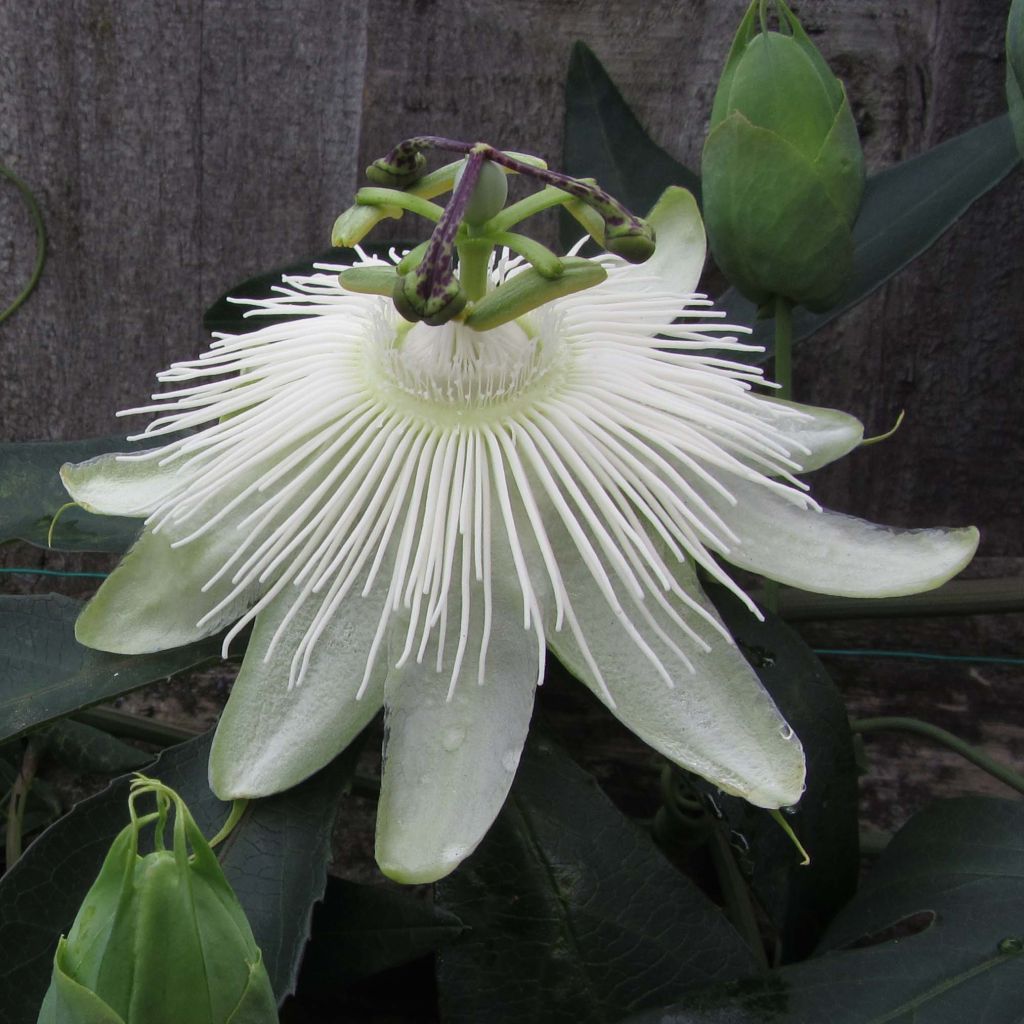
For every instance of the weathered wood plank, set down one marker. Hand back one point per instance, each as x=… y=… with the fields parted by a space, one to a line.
x=179 y=148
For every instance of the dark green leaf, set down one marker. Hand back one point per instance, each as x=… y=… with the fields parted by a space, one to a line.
x=936 y=936
x=906 y=209
x=573 y=913
x=360 y=930
x=1015 y=70
x=229 y=317
x=45 y=673
x=276 y=861
x=86 y=749
x=604 y=140
x=31 y=494
x=799 y=901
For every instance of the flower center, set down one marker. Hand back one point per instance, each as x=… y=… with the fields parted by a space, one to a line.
x=447 y=372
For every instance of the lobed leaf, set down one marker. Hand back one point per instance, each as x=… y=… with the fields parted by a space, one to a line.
x=574 y=915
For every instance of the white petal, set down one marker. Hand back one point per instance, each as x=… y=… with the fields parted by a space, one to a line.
x=815 y=435
x=117 y=485
x=153 y=600
x=829 y=553
x=681 y=244
x=270 y=737
x=717 y=720
x=448 y=764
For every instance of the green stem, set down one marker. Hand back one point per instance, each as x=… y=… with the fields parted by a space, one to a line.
x=19 y=799
x=474 y=260
x=532 y=204
x=946 y=739
x=403 y=200
x=736 y=895
x=238 y=808
x=37 y=221
x=783 y=347
x=540 y=257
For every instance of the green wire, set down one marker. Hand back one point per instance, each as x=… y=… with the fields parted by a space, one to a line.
x=37 y=222
x=923 y=655
x=55 y=572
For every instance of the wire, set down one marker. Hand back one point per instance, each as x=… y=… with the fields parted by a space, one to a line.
x=983 y=659
x=54 y=572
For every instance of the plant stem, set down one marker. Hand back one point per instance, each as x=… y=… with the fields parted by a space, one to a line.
x=19 y=798
x=37 y=222
x=736 y=895
x=946 y=739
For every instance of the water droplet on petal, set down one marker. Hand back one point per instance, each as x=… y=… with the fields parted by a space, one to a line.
x=786 y=732
x=510 y=762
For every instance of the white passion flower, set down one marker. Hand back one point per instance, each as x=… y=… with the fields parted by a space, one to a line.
x=411 y=514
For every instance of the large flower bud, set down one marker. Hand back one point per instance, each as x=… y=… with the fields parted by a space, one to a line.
x=783 y=171
x=159 y=938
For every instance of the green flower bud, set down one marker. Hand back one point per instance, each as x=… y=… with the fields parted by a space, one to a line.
x=160 y=938
x=782 y=170
x=489 y=193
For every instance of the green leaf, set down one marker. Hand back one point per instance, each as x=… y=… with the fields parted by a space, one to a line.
x=573 y=913
x=905 y=210
x=84 y=748
x=799 y=901
x=604 y=140
x=31 y=495
x=936 y=936
x=229 y=317
x=275 y=859
x=46 y=674
x=360 y=930
x=1015 y=70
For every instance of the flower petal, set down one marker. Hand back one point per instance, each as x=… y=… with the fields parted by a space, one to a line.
x=118 y=485
x=829 y=553
x=815 y=435
x=154 y=601
x=449 y=763
x=717 y=720
x=270 y=737
x=678 y=259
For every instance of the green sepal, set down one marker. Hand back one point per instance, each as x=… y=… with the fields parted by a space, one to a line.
x=369 y=280
x=776 y=86
x=831 y=84
x=530 y=289
x=68 y=1002
x=840 y=163
x=720 y=108
x=773 y=227
x=160 y=938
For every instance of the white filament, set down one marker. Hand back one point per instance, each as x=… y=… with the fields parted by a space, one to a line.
x=349 y=451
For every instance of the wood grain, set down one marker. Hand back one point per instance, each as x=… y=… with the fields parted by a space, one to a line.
x=178 y=148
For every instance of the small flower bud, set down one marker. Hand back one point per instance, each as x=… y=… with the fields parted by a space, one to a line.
x=489 y=193
x=634 y=242
x=160 y=938
x=782 y=169
x=417 y=298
